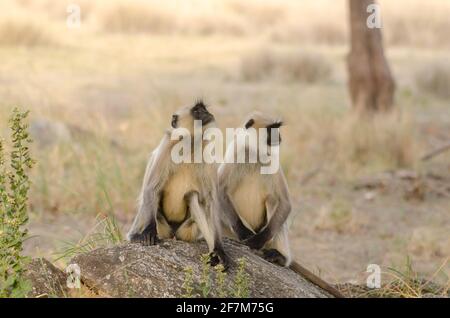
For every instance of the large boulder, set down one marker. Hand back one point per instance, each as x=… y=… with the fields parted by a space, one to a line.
x=133 y=270
x=46 y=280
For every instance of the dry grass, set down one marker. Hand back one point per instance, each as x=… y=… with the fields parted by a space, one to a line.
x=405 y=23
x=137 y=19
x=435 y=78
x=413 y=24
x=267 y=64
x=23 y=33
x=263 y=16
x=403 y=282
x=429 y=242
x=407 y=283
x=341 y=217
x=386 y=140
x=349 y=145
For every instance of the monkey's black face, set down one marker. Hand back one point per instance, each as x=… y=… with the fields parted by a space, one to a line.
x=185 y=117
x=199 y=112
x=273 y=134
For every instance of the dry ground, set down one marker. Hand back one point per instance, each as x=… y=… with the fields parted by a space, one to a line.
x=104 y=92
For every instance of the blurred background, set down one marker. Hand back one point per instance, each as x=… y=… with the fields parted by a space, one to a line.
x=102 y=93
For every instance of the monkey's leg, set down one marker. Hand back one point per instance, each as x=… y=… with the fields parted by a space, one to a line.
x=278 y=250
x=188 y=231
x=219 y=255
x=164 y=229
x=199 y=216
x=207 y=229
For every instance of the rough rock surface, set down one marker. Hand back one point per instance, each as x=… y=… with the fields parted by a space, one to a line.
x=132 y=270
x=46 y=280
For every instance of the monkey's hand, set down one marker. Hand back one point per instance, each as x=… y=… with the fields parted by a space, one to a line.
x=274 y=256
x=148 y=237
x=256 y=241
x=242 y=232
x=219 y=257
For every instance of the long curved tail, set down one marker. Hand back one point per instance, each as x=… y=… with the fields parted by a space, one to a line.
x=307 y=274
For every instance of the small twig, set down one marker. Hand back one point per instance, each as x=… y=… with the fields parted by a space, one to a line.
x=436 y=152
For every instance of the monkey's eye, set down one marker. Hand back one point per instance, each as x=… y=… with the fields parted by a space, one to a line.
x=198 y=112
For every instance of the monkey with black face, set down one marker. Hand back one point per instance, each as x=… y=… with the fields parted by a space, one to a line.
x=255 y=205
x=180 y=199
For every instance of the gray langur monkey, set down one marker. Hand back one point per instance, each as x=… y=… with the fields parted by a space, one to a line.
x=256 y=206
x=180 y=199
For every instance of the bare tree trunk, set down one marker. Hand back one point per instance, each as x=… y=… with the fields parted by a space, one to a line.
x=371 y=83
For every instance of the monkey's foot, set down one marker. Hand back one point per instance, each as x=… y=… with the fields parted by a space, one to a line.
x=145 y=239
x=275 y=257
x=219 y=257
x=148 y=237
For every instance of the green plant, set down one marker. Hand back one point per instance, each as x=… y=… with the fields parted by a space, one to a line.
x=205 y=280
x=241 y=281
x=106 y=232
x=14 y=186
x=219 y=288
x=188 y=283
x=221 y=275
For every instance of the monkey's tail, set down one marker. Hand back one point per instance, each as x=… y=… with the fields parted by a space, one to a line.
x=307 y=274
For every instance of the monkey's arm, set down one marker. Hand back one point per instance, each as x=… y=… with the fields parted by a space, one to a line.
x=278 y=209
x=227 y=207
x=144 y=226
x=209 y=230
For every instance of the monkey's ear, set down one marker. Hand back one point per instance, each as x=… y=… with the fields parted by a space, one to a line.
x=249 y=123
x=174 y=121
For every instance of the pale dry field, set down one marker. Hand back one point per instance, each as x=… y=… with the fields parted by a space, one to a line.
x=100 y=96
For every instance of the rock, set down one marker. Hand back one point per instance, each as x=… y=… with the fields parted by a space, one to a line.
x=47 y=132
x=133 y=270
x=46 y=280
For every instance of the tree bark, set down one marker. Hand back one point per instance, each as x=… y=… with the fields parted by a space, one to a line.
x=371 y=83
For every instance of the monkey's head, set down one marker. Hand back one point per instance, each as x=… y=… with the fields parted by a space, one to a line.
x=271 y=127
x=185 y=117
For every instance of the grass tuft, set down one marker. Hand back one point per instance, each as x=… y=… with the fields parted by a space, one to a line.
x=138 y=19
x=435 y=78
x=106 y=232
x=23 y=33
x=296 y=66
